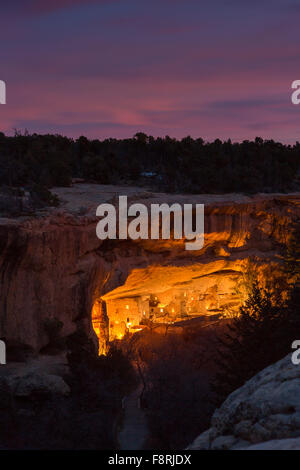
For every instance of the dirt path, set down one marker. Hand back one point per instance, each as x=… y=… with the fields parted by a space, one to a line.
x=134 y=428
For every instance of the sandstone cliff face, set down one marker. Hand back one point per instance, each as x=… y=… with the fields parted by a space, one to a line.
x=263 y=414
x=52 y=265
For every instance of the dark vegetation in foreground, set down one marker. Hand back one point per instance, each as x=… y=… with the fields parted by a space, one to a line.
x=264 y=329
x=86 y=419
x=175 y=370
x=35 y=163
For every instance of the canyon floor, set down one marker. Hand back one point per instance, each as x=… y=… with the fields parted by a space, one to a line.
x=134 y=428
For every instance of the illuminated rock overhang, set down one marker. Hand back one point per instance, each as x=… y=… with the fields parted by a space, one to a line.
x=170 y=294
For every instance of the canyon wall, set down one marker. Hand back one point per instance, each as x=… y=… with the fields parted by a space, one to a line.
x=53 y=267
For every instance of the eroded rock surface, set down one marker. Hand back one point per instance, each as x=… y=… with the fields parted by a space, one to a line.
x=262 y=414
x=53 y=266
x=43 y=375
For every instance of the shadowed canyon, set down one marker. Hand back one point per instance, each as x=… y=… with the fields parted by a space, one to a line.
x=55 y=271
x=54 y=266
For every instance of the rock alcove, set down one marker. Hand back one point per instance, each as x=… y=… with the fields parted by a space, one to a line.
x=54 y=267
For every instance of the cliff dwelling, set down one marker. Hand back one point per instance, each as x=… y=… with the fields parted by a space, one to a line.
x=171 y=296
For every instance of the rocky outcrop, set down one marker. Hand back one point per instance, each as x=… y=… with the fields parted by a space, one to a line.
x=26 y=385
x=262 y=414
x=44 y=375
x=278 y=444
x=52 y=265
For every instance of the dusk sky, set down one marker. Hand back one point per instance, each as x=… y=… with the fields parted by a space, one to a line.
x=210 y=69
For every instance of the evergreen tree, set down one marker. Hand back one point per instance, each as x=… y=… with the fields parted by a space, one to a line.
x=251 y=342
x=292 y=267
x=292 y=257
x=263 y=330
